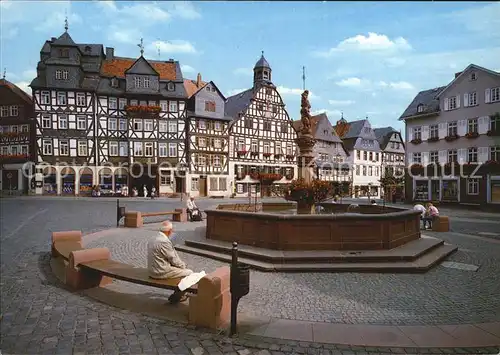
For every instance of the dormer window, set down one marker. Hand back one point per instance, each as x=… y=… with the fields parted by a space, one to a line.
x=266 y=75
x=146 y=82
x=114 y=82
x=420 y=108
x=208 y=88
x=170 y=86
x=137 y=82
x=87 y=49
x=473 y=76
x=64 y=53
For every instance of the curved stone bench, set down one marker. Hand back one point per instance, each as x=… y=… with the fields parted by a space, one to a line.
x=135 y=219
x=88 y=268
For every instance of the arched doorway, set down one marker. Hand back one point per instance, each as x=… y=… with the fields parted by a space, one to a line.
x=106 y=181
x=121 y=181
x=86 y=182
x=49 y=181
x=68 y=181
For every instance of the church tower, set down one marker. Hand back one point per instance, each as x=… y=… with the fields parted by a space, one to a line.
x=261 y=71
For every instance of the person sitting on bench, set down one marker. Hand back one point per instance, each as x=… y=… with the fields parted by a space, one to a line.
x=164 y=262
x=431 y=214
x=192 y=209
x=419 y=207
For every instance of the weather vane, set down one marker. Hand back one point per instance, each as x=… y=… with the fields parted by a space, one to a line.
x=4 y=72
x=303 y=77
x=66 y=21
x=141 y=46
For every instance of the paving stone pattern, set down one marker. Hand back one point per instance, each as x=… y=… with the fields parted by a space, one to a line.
x=40 y=316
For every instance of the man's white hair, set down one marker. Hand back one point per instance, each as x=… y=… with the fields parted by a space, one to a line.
x=166 y=226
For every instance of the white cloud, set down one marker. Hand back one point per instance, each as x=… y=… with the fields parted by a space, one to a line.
x=9 y=33
x=29 y=74
x=243 y=71
x=124 y=35
x=395 y=61
x=351 y=82
x=294 y=92
x=373 y=43
x=187 y=69
x=174 y=46
x=341 y=102
x=24 y=86
x=489 y=15
x=143 y=13
x=55 y=21
x=234 y=92
x=400 y=85
x=332 y=114
x=185 y=10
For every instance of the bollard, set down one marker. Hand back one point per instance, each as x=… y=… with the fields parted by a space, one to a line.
x=239 y=285
x=120 y=212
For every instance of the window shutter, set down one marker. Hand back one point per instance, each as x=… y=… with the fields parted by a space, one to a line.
x=461 y=127
x=425 y=158
x=442 y=130
x=446 y=104
x=458 y=101
x=487 y=96
x=482 y=154
x=466 y=100
x=410 y=134
x=425 y=133
x=197 y=141
x=442 y=156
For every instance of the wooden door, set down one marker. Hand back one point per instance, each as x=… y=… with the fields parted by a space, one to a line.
x=203 y=187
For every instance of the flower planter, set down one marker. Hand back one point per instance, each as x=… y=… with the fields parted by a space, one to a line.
x=289 y=157
x=451 y=138
x=267 y=155
x=242 y=152
x=433 y=139
x=416 y=141
x=492 y=133
x=472 y=135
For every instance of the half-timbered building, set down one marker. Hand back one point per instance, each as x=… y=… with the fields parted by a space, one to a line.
x=106 y=121
x=208 y=140
x=330 y=155
x=261 y=136
x=16 y=138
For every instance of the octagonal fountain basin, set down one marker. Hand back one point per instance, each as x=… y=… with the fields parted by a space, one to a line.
x=277 y=226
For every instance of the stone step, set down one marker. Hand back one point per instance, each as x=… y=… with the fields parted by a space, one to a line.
x=422 y=264
x=407 y=252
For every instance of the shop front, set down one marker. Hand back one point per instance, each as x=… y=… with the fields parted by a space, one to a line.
x=86 y=182
x=450 y=189
x=68 y=181
x=106 y=182
x=493 y=189
x=421 y=189
x=49 y=181
x=121 y=181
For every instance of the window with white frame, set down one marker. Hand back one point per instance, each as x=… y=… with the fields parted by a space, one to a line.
x=5 y=150
x=277 y=148
x=434 y=131
x=122 y=103
x=364 y=170
x=133 y=102
x=452 y=128
x=472 y=96
x=148 y=149
x=255 y=146
x=162 y=126
x=202 y=160
x=452 y=156
x=164 y=106
x=58 y=74
x=289 y=149
x=172 y=106
x=472 y=125
x=473 y=186
x=146 y=82
x=495 y=124
x=24 y=128
x=112 y=124
x=123 y=149
x=495 y=94
x=495 y=153
x=14 y=129
x=420 y=108
x=202 y=143
x=4 y=112
x=80 y=99
x=214 y=184
x=14 y=110
x=63 y=121
x=194 y=184
x=13 y=150
x=172 y=126
x=138 y=149
x=239 y=188
x=217 y=143
x=241 y=145
x=61 y=98
x=202 y=124
x=434 y=157
x=46 y=121
x=216 y=160
x=452 y=103
x=113 y=149
x=137 y=82
x=137 y=124
x=417 y=158
x=165 y=179
x=24 y=150
x=417 y=133
x=82 y=148
x=222 y=184
x=162 y=149
x=472 y=155
x=172 y=149
x=113 y=103
x=122 y=124
x=81 y=122
x=148 y=125
x=218 y=126
x=63 y=147
x=267 y=148
x=65 y=74
x=45 y=98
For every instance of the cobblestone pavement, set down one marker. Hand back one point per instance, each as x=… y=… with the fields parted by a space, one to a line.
x=40 y=316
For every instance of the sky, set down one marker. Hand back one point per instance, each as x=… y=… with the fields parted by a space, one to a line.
x=365 y=59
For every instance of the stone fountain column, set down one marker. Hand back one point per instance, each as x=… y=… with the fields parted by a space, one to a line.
x=305 y=141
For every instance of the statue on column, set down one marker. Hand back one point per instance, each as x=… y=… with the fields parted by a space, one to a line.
x=305 y=115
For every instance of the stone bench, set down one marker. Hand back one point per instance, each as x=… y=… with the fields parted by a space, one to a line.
x=135 y=219
x=88 y=268
x=441 y=224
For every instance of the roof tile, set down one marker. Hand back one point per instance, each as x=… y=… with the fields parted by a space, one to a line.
x=118 y=66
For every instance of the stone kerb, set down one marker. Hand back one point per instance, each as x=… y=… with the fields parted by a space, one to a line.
x=210 y=308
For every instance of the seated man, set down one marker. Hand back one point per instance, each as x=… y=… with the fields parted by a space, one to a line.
x=422 y=210
x=193 y=210
x=431 y=214
x=164 y=262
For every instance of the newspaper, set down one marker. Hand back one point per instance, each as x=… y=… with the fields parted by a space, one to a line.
x=191 y=280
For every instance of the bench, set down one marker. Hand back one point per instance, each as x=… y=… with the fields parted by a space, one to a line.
x=135 y=219
x=209 y=306
x=441 y=224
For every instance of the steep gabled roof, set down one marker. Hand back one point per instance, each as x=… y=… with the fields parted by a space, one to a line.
x=355 y=128
x=427 y=98
x=141 y=66
x=119 y=65
x=238 y=103
x=16 y=90
x=457 y=77
x=383 y=135
x=65 y=40
x=191 y=87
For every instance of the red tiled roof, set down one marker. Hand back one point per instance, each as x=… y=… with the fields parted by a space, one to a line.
x=118 y=66
x=191 y=87
x=17 y=90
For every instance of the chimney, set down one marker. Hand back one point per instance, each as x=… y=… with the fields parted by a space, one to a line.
x=110 y=53
x=53 y=39
x=198 y=80
x=457 y=74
